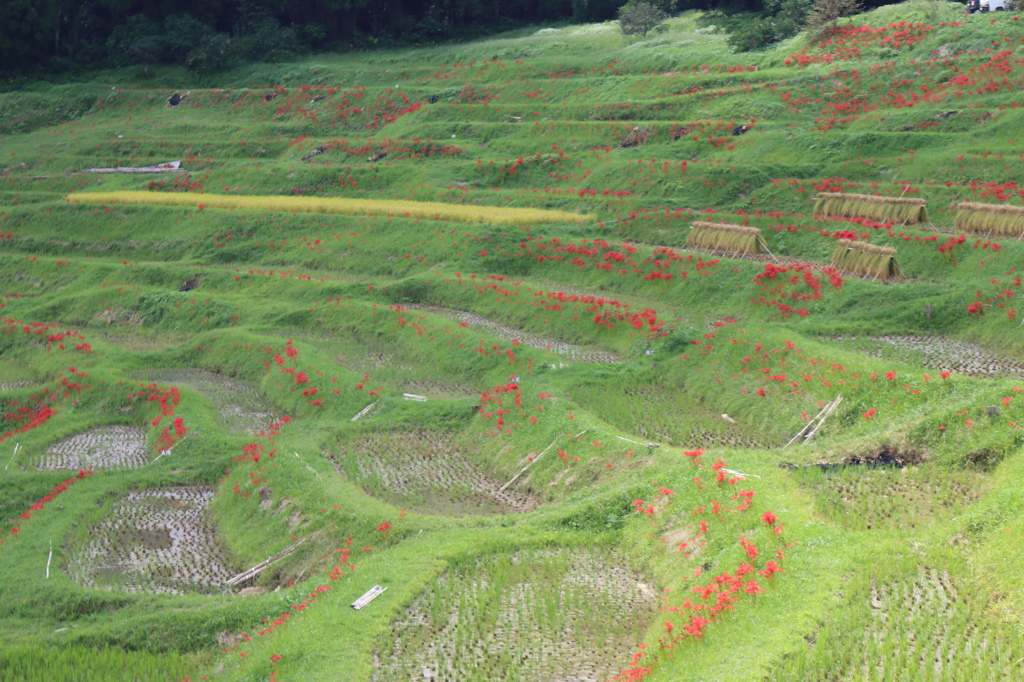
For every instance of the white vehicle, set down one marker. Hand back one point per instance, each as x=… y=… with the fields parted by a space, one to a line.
x=994 y=5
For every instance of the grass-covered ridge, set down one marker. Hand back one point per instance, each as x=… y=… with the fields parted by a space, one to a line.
x=552 y=441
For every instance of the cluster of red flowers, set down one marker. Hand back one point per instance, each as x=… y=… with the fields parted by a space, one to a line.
x=776 y=285
x=849 y=42
x=726 y=591
x=49 y=497
x=183 y=183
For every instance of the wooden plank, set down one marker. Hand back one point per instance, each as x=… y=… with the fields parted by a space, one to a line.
x=258 y=568
x=523 y=470
x=363 y=412
x=368 y=597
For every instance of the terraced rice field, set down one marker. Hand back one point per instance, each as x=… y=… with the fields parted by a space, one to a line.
x=157 y=541
x=240 y=406
x=944 y=354
x=642 y=392
x=101 y=448
x=571 y=352
x=665 y=416
x=429 y=472
x=546 y=614
x=924 y=626
x=888 y=498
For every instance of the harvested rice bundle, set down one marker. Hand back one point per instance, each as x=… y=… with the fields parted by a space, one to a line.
x=725 y=237
x=883 y=209
x=866 y=259
x=990 y=219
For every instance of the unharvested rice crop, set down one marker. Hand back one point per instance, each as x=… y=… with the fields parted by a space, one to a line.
x=107 y=446
x=547 y=614
x=156 y=540
x=866 y=259
x=495 y=215
x=739 y=239
x=1000 y=219
x=885 y=209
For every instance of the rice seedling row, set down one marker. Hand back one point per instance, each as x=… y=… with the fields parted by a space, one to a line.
x=14 y=385
x=923 y=627
x=661 y=415
x=442 y=390
x=890 y=498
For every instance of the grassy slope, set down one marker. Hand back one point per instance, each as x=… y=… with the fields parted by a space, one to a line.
x=561 y=102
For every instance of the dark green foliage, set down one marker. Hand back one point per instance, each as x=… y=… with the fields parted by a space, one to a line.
x=824 y=15
x=781 y=19
x=182 y=34
x=213 y=53
x=638 y=18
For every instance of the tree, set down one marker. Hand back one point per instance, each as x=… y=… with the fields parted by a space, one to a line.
x=145 y=51
x=825 y=14
x=637 y=17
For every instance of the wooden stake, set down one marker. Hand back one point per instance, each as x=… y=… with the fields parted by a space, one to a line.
x=821 y=415
x=806 y=426
x=258 y=568
x=17 y=447
x=831 y=409
x=363 y=411
x=523 y=470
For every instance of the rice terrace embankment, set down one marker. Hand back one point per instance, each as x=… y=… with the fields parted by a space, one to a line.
x=609 y=358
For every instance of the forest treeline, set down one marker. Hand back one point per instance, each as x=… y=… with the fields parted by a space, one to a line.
x=49 y=36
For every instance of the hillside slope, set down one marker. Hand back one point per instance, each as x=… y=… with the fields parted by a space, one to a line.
x=437 y=320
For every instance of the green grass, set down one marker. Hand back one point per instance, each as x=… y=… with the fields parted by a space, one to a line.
x=599 y=361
